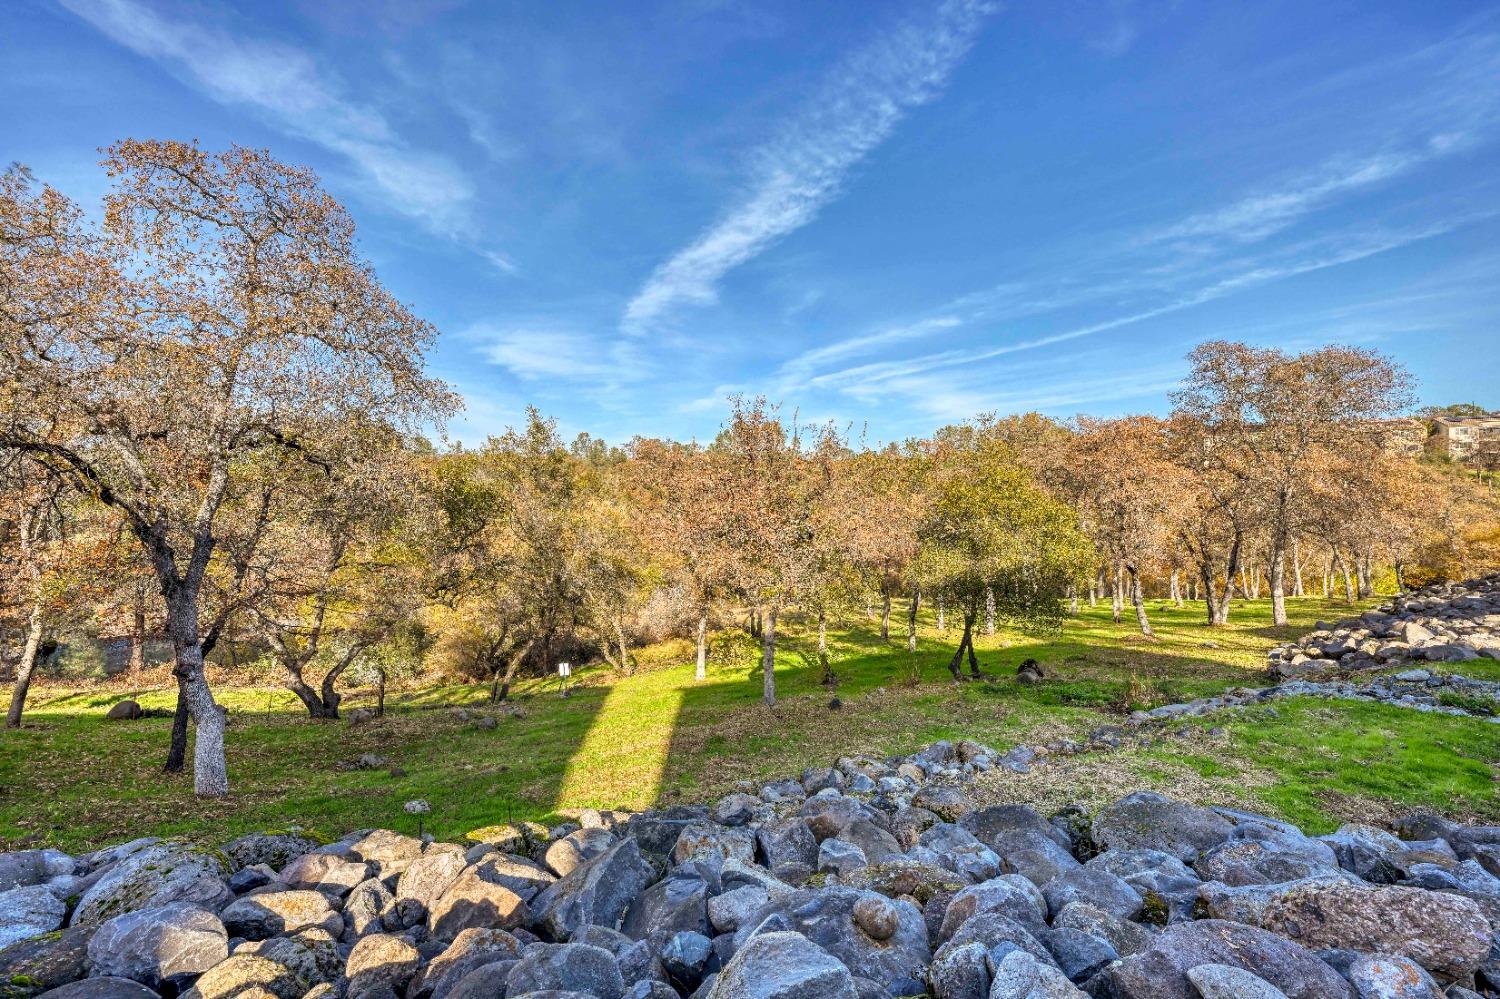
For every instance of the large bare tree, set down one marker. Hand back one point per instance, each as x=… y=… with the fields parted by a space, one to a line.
x=165 y=359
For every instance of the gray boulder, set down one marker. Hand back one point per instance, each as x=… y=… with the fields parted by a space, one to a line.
x=50 y=960
x=960 y=973
x=1095 y=886
x=782 y=966
x=381 y=962
x=154 y=876
x=827 y=918
x=101 y=988
x=711 y=843
x=1160 y=971
x=427 y=877
x=598 y=892
x=1387 y=976
x=268 y=914
x=567 y=968
x=475 y=901
x=324 y=872
x=1223 y=981
x=160 y=946
x=787 y=842
x=677 y=903
x=485 y=982
x=470 y=950
x=1152 y=821
x=275 y=850
x=28 y=911
x=563 y=855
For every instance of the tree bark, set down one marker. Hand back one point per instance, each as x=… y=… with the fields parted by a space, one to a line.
x=624 y=648
x=138 y=630
x=1297 y=588
x=511 y=669
x=177 y=746
x=1137 y=600
x=885 y=614
x=1400 y=579
x=1116 y=594
x=1278 y=587
x=294 y=682
x=942 y=617
x=989 y=613
x=701 y=670
x=911 y=620
x=966 y=645
x=25 y=668
x=768 y=657
x=1342 y=565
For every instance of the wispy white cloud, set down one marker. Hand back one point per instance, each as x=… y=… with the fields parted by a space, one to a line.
x=538 y=353
x=287 y=87
x=794 y=176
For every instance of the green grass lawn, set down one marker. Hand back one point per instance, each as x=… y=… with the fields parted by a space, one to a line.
x=70 y=778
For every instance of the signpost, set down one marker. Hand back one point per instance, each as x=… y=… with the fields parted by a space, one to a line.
x=563 y=672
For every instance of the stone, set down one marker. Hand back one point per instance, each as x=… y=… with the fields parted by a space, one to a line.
x=877 y=917
x=429 y=875
x=728 y=911
x=1152 y=821
x=105 y=987
x=274 y=850
x=961 y=852
x=684 y=956
x=1015 y=977
x=1125 y=937
x=960 y=973
x=1095 y=886
x=153 y=876
x=390 y=851
x=1223 y=981
x=787 y=841
x=28 y=911
x=827 y=815
x=598 y=892
x=269 y=914
x=475 y=901
x=1252 y=862
x=470 y=950
x=569 y=967
x=1003 y=895
x=370 y=907
x=50 y=960
x=947 y=803
x=381 y=961
x=324 y=872
x=565 y=854
x=126 y=710
x=1386 y=976
x=782 y=966
x=485 y=982
x=838 y=856
x=826 y=917
x=676 y=903
x=160 y=946
x=1160 y=971
x=736 y=809
x=312 y=955
x=711 y=843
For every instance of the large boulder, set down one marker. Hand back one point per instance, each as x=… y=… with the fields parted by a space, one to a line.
x=275 y=850
x=324 y=872
x=268 y=914
x=104 y=987
x=28 y=911
x=379 y=962
x=1384 y=976
x=154 y=876
x=1147 y=820
x=827 y=917
x=1446 y=934
x=49 y=960
x=565 y=854
x=469 y=951
x=1160 y=971
x=1223 y=981
x=428 y=876
x=711 y=843
x=677 y=903
x=782 y=966
x=789 y=841
x=570 y=967
x=161 y=946
x=597 y=893
x=20 y=868
x=475 y=901
x=243 y=975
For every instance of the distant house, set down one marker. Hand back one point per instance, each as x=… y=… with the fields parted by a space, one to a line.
x=1461 y=436
x=1404 y=436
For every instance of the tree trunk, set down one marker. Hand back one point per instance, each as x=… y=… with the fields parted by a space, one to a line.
x=25 y=667
x=1342 y=565
x=700 y=672
x=1093 y=593
x=293 y=681
x=768 y=657
x=822 y=636
x=885 y=614
x=1116 y=596
x=512 y=668
x=624 y=648
x=1278 y=586
x=911 y=620
x=177 y=747
x=210 y=774
x=1365 y=572
x=380 y=693
x=331 y=696
x=1297 y=588
x=1137 y=599
x=1073 y=599
x=1400 y=579
x=989 y=613
x=138 y=630
x=942 y=618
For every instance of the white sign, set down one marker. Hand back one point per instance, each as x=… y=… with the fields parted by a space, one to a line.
x=564 y=670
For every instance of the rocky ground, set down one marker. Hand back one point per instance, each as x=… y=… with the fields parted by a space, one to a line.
x=868 y=879
x=871 y=878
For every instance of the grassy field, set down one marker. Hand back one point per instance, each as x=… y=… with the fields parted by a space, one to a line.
x=70 y=778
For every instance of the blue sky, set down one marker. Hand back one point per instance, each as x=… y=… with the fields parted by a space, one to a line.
x=892 y=214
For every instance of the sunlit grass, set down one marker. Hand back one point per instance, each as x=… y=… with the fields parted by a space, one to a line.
x=659 y=736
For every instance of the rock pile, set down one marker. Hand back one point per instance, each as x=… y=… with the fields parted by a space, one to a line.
x=1444 y=623
x=868 y=879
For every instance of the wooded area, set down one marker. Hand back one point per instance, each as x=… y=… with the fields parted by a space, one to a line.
x=218 y=430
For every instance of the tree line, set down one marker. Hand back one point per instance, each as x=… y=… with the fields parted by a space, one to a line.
x=215 y=430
